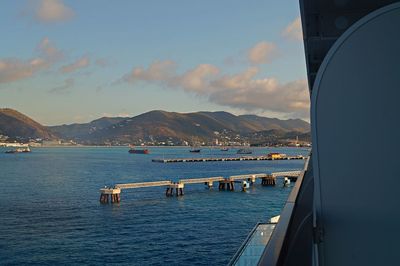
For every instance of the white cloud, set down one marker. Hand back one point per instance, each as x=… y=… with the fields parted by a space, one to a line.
x=262 y=52
x=78 y=64
x=48 y=11
x=13 y=69
x=241 y=91
x=294 y=30
x=197 y=79
x=246 y=92
x=162 y=71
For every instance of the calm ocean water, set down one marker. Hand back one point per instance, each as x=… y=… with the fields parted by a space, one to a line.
x=50 y=210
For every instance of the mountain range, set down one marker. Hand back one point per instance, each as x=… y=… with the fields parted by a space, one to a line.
x=153 y=126
x=17 y=125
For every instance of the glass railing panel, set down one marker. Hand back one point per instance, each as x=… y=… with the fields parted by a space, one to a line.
x=252 y=250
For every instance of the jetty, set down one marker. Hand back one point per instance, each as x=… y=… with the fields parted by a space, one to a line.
x=227 y=159
x=113 y=194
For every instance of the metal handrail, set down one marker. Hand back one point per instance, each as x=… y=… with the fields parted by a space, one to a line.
x=274 y=246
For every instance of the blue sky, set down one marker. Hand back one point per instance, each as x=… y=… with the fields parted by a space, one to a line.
x=75 y=61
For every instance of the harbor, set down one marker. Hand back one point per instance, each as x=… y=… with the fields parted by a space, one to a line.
x=69 y=205
x=113 y=194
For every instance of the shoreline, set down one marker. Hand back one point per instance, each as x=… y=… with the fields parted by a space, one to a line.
x=149 y=147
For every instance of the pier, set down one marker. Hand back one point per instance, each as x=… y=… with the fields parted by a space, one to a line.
x=227 y=159
x=225 y=183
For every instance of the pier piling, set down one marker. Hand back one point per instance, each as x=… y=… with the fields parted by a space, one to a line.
x=209 y=184
x=252 y=179
x=107 y=192
x=169 y=192
x=229 y=183
x=178 y=189
x=104 y=198
x=268 y=180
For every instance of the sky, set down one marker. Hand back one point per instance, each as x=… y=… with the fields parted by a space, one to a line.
x=73 y=61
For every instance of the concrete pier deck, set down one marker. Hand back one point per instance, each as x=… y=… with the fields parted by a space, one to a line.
x=143 y=184
x=227 y=159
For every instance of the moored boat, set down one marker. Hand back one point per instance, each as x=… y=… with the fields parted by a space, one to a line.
x=244 y=151
x=276 y=155
x=19 y=150
x=138 y=151
x=27 y=149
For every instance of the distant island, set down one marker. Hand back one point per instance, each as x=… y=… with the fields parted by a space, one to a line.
x=159 y=128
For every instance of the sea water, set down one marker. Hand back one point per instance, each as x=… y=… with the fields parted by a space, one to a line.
x=50 y=210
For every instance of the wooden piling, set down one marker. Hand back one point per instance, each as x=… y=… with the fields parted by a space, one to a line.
x=169 y=192
x=115 y=198
x=107 y=193
x=104 y=198
x=269 y=180
x=178 y=189
x=232 y=186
